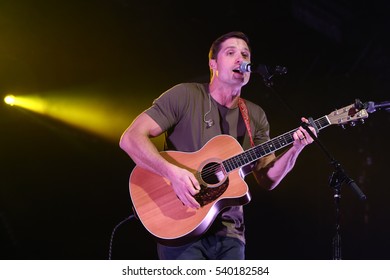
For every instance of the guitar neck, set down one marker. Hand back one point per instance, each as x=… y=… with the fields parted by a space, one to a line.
x=266 y=148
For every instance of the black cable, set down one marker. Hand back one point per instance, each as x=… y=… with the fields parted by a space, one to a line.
x=113 y=232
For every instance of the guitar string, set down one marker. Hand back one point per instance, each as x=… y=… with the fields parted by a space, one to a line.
x=253 y=153
x=237 y=161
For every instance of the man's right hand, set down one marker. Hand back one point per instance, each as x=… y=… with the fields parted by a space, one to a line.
x=185 y=186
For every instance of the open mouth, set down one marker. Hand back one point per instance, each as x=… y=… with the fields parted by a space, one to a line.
x=237 y=70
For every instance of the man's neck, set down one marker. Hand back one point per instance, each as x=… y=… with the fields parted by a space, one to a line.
x=225 y=95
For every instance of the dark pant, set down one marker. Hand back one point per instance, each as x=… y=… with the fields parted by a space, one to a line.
x=207 y=248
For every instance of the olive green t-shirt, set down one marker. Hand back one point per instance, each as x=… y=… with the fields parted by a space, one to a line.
x=183 y=112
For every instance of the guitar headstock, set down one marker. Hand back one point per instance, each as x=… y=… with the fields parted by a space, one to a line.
x=349 y=114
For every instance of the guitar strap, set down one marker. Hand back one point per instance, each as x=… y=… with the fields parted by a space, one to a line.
x=245 y=116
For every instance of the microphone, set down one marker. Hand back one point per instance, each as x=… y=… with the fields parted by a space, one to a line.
x=264 y=70
x=373 y=106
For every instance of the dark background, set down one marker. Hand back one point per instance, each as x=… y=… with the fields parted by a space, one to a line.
x=63 y=190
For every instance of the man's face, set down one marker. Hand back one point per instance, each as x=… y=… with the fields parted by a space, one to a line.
x=233 y=52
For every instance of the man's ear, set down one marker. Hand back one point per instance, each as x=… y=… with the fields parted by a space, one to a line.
x=213 y=64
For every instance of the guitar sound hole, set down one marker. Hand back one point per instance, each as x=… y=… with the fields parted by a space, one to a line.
x=212 y=173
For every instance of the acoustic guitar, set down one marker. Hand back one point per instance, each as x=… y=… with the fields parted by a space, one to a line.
x=218 y=167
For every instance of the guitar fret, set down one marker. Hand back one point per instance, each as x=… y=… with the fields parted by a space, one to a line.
x=321 y=123
x=227 y=166
x=244 y=159
x=253 y=155
x=278 y=142
x=240 y=160
x=265 y=149
x=233 y=163
x=260 y=152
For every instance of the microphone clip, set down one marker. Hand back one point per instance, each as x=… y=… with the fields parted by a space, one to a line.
x=265 y=71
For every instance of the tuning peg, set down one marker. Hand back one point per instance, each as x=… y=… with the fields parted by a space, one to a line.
x=362 y=121
x=342 y=126
x=352 y=124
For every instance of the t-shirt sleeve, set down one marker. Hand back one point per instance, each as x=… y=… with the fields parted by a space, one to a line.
x=166 y=110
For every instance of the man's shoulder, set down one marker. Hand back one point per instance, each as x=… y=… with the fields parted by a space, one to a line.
x=191 y=86
x=198 y=90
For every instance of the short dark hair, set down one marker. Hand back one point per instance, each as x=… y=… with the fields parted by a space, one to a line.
x=216 y=45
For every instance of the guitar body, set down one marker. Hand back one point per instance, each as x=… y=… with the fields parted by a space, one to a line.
x=164 y=215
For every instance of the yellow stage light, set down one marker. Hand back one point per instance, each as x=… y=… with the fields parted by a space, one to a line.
x=84 y=109
x=10 y=100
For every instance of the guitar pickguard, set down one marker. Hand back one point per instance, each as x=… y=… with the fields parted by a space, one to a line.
x=207 y=194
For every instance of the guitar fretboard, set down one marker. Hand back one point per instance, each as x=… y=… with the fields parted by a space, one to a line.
x=266 y=148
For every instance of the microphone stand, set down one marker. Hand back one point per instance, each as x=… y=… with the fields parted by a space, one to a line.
x=338 y=176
